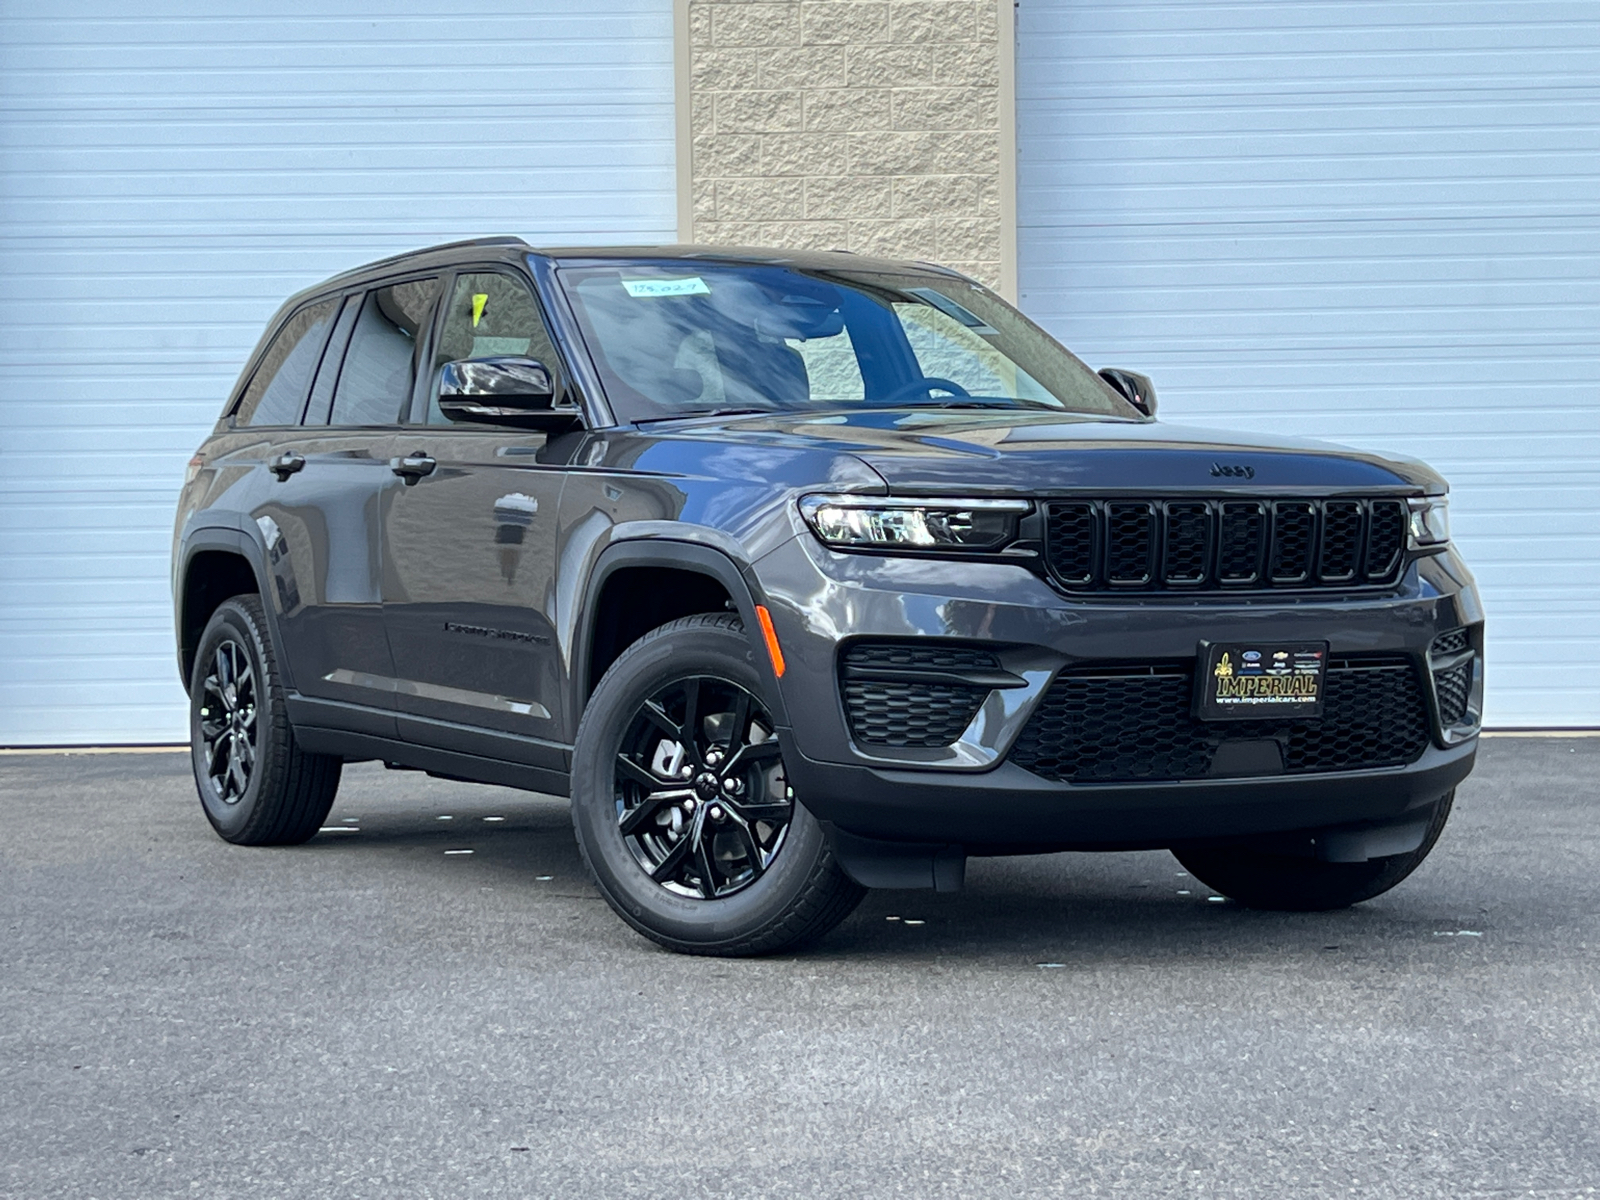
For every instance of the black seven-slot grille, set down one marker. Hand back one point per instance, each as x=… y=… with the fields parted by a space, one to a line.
x=1198 y=545
x=1107 y=723
x=905 y=694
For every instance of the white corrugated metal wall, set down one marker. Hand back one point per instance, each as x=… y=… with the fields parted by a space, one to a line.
x=1368 y=221
x=170 y=172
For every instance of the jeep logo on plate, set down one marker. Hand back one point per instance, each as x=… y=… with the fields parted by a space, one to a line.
x=1232 y=471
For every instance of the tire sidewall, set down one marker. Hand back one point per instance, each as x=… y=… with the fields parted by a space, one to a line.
x=653 y=663
x=231 y=622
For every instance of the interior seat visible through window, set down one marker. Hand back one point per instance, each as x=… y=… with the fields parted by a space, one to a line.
x=380 y=367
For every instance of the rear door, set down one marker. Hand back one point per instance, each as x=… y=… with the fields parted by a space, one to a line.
x=469 y=591
x=321 y=522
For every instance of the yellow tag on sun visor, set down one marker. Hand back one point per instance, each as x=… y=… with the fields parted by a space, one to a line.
x=478 y=302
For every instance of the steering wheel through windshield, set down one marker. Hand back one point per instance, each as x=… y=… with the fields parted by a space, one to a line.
x=926 y=385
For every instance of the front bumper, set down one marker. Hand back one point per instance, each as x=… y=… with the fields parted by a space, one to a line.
x=969 y=795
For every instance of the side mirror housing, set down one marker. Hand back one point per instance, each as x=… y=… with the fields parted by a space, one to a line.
x=1133 y=387
x=502 y=391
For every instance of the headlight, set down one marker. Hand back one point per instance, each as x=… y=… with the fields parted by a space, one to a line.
x=1430 y=521
x=913 y=524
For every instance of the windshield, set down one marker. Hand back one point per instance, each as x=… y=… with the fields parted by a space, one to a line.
x=674 y=337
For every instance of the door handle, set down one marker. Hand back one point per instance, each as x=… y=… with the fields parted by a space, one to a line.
x=286 y=465
x=413 y=466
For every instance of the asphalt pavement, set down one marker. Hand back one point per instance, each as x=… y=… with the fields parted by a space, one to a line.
x=381 y=1014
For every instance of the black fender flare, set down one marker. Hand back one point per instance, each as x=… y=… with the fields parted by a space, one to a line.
x=655 y=551
x=226 y=539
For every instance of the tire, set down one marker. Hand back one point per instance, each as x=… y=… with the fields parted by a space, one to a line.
x=257 y=787
x=689 y=861
x=1286 y=883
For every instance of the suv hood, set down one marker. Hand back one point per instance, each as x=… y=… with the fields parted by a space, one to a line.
x=979 y=452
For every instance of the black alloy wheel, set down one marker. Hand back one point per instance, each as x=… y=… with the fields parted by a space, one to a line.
x=228 y=720
x=702 y=801
x=681 y=805
x=257 y=787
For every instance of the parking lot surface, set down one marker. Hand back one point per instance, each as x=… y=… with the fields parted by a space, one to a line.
x=378 y=1014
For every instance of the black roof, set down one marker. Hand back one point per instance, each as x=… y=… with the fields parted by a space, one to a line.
x=512 y=248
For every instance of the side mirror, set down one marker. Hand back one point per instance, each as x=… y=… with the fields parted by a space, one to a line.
x=502 y=391
x=1133 y=387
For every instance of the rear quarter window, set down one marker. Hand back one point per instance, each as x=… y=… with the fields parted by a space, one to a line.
x=276 y=393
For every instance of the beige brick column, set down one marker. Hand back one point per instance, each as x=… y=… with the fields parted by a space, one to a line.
x=879 y=126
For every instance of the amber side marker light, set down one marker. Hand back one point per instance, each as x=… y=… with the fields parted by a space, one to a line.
x=767 y=632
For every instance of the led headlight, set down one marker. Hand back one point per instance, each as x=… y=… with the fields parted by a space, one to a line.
x=870 y=521
x=1430 y=521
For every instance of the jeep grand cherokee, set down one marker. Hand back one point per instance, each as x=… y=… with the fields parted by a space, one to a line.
x=801 y=574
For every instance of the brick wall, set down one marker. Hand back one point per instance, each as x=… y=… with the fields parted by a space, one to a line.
x=868 y=125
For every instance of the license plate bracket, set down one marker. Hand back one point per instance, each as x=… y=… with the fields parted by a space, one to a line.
x=1260 y=681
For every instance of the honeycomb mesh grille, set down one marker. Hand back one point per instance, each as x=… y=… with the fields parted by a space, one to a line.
x=910 y=711
x=1453 y=687
x=1453 y=642
x=1386 y=537
x=1098 y=725
x=1294 y=526
x=1195 y=545
x=1341 y=541
x=900 y=713
x=1243 y=525
x=1130 y=543
x=902 y=654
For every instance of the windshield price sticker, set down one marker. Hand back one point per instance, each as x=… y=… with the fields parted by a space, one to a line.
x=1261 y=680
x=692 y=286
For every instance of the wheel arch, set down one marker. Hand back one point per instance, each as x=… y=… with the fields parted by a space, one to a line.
x=614 y=616
x=217 y=564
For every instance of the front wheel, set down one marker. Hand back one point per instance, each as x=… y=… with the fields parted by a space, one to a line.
x=681 y=806
x=1289 y=884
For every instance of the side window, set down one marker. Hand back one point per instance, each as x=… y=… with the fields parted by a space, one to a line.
x=320 y=406
x=277 y=391
x=490 y=315
x=380 y=367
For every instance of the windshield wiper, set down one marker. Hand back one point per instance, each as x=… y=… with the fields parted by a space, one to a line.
x=976 y=402
x=708 y=412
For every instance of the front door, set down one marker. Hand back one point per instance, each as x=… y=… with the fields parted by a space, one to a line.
x=469 y=591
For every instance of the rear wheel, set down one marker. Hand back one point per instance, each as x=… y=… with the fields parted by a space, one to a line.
x=682 y=808
x=1290 y=884
x=257 y=787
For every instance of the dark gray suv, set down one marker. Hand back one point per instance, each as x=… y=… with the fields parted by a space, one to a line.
x=803 y=574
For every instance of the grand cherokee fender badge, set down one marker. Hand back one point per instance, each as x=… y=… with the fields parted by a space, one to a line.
x=1232 y=471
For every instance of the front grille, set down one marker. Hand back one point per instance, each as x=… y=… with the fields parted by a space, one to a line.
x=1453 y=642
x=909 y=694
x=1108 y=724
x=1199 y=545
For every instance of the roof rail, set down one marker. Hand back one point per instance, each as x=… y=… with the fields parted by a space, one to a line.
x=501 y=240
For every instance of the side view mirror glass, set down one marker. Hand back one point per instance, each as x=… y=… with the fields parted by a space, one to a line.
x=501 y=391
x=1133 y=387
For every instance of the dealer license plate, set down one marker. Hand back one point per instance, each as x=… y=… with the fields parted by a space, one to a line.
x=1260 y=680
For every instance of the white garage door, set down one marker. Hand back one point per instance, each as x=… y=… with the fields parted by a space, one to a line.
x=172 y=171
x=1368 y=221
